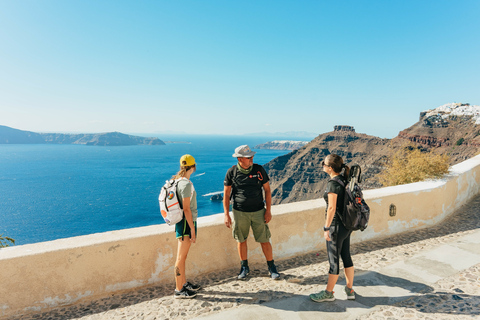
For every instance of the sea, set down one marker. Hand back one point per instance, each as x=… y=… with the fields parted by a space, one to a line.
x=49 y=192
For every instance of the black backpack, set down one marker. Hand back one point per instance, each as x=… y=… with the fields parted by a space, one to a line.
x=356 y=212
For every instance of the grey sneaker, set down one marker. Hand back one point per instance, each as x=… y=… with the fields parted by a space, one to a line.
x=273 y=272
x=244 y=271
x=322 y=296
x=184 y=294
x=350 y=293
x=192 y=287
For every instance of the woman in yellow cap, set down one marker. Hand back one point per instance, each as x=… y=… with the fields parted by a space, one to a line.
x=186 y=230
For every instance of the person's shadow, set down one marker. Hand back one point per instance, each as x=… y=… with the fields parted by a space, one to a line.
x=372 y=289
x=376 y=289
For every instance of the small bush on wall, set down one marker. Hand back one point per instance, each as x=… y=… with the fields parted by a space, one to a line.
x=409 y=164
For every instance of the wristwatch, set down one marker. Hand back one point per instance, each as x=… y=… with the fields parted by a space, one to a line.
x=326 y=228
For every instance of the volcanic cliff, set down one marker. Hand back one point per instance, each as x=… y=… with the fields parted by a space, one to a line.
x=299 y=175
x=453 y=129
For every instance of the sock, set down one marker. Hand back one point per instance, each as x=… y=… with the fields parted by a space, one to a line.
x=271 y=263
x=244 y=263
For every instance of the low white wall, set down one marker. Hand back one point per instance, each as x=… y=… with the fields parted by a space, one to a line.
x=40 y=276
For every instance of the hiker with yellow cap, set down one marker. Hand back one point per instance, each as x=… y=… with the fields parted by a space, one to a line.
x=245 y=183
x=186 y=229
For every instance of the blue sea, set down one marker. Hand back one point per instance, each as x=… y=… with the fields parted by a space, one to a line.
x=50 y=192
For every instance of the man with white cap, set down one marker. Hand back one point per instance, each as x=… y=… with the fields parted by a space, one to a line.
x=245 y=183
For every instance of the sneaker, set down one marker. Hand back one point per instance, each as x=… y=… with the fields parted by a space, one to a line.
x=244 y=271
x=322 y=296
x=192 y=287
x=184 y=294
x=350 y=293
x=273 y=272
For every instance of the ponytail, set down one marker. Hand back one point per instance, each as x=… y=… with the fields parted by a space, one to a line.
x=346 y=172
x=183 y=172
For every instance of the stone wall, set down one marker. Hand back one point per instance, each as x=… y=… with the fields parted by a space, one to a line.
x=37 y=277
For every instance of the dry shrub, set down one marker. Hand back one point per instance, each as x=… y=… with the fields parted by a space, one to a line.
x=4 y=241
x=409 y=164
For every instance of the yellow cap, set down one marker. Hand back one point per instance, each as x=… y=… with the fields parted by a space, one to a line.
x=187 y=160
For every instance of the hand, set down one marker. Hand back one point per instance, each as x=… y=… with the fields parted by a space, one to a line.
x=326 y=235
x=268 y=215
x=193 y=238
x=228 y=220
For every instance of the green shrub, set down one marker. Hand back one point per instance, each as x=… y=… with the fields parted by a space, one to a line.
x=4 y=241
x=410 y=164
x=460 y=141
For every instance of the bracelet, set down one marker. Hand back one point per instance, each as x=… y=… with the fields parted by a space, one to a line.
x=326 y=228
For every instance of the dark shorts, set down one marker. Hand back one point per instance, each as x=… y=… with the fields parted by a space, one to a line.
x=182 y=229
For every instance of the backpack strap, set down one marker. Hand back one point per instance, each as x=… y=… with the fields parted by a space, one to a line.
x=235 y=169
x=175 y=183
x=336 y=179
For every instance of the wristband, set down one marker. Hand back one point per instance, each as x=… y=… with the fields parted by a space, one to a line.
x=326 y=228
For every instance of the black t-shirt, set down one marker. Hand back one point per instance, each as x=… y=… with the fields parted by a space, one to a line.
x=247 y=188
x=335 y=187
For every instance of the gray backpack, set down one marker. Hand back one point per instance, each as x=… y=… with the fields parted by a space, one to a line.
x=356 y=212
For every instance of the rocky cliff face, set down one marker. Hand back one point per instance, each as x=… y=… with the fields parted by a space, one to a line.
x=452 y=128
x=299 y=175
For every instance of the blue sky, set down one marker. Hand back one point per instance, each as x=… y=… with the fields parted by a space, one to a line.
x=234 y=67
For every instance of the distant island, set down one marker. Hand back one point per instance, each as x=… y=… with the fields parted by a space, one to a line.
x=282 y=145
x=14 y=136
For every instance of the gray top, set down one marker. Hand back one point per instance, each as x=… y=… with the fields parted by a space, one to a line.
x=185 y=189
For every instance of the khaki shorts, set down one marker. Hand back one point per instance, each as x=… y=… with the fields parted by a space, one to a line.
x=242 y=221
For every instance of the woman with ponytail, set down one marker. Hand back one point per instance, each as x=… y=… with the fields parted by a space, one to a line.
x=337 y=236
x=186 y=230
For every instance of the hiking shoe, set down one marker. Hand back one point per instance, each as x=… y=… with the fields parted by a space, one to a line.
x=322 y=296
x=273 y=272
x=192 y=287
x=350 y=293
x=184 y=294
x=244 y=271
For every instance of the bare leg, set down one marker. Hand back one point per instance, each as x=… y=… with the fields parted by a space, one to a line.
x=267 y=250
x=242 y=250
x=349 y=273
x=332 y=280
x=182 y=251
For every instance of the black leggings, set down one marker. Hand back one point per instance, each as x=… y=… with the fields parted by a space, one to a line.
x=339 y=247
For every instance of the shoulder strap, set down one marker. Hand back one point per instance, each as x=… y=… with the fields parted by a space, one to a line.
x=338 y=180
x=175 y=183
x=235 y=169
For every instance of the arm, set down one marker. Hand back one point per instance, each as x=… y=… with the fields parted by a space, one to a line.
x=332 y=206
x=226 y=205
x=268 y=202
x=188 y=216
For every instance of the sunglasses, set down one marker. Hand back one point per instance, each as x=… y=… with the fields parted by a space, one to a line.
x=325 y=165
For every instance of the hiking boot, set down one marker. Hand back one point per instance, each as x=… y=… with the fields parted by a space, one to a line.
x=244 y=271
x=192 y=287
x=322 y=296
x=184 y=294
x=350 y=293
x=273 y=272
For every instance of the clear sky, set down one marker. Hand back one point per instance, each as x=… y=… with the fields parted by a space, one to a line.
x=234 y=67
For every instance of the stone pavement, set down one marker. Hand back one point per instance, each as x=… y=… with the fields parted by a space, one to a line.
x=432 y=273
